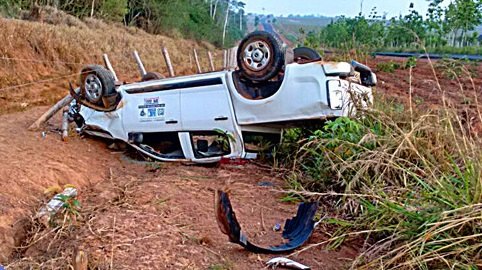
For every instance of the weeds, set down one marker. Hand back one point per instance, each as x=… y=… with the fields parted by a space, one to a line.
x=389 y=67
x=454 y=69
x=409 y=183
x=392 y=66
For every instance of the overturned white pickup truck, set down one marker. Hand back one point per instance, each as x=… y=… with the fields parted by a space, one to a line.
x=228 y=114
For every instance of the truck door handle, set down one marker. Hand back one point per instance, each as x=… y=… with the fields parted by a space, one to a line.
x=221 y=118
x=171 y=122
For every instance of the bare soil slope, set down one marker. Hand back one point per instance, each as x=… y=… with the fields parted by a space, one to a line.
x=33 y=52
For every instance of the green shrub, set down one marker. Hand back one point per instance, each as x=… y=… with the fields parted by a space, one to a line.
x=389 y=67
x=410 y=63
x=410 y=184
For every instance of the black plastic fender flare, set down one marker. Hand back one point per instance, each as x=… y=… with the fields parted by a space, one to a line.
x=296 y=231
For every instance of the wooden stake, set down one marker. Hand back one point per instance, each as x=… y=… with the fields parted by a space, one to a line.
x=65 y=124
x=109 y=66
x=51 y=112
x=196 y=59
x=211 y=62
x=140 y=65
x=168 y=62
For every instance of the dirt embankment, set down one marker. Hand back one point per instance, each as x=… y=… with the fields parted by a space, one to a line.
x=429 y=80
x=34 y=51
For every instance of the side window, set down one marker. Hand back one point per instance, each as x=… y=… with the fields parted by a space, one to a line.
x=207 y=144
x=161 y=144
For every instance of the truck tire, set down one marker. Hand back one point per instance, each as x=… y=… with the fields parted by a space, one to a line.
x=96 y=82
x=260 y=56
x=305 y=54
x=152 y=76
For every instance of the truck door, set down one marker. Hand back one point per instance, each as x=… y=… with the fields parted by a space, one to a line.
x=206 y=108
x=152 y=112
x=207 y=113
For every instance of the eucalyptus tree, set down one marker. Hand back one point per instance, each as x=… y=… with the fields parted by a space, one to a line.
x=462 y=16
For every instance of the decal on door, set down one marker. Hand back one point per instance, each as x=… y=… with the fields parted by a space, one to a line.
x=152 y=110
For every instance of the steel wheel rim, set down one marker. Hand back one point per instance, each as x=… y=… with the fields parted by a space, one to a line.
x=257 y=55
x=93 y=87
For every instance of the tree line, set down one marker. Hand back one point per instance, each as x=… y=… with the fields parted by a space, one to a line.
x=449 y=28
x=220 y=22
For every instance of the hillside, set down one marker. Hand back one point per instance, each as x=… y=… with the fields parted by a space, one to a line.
x=290 y=26
x=57 y=50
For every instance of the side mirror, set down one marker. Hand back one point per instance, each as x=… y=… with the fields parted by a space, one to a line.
x=367 y=77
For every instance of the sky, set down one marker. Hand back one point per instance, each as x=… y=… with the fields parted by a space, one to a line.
x=331 y=8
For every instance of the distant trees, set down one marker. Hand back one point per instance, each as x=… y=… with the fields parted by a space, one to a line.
x=463 y=16
x=221 y=22
x=452 y=25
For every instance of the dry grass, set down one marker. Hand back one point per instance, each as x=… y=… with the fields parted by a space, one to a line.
x=407 y=182
x=54 y=54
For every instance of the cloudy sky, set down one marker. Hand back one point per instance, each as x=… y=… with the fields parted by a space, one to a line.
x=332 y=8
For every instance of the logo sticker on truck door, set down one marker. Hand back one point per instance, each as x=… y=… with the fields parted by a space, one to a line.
x=151 y=110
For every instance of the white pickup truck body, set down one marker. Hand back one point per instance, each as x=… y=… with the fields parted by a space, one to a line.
x=191 y=105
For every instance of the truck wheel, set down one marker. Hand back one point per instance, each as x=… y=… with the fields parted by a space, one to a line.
x=96 y=82
x=260 y=56
x=152 y=76
x=305 y=54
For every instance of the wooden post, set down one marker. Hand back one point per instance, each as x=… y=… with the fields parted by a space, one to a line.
x=109 y=66
x=168 y=62
x=53 y=110
x=211 y=62
x=196 y=59
x=230 y=56
x=140 y=65
x=65 y=124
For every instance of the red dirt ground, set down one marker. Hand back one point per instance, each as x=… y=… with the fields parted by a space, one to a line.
x=135 y=215
x=426 y=93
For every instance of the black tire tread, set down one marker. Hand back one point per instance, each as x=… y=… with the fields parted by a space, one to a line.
x=304 y=54
x=151 y=76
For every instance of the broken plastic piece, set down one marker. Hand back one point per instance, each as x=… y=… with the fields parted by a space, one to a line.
x=296 y=230
x=284 y=262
